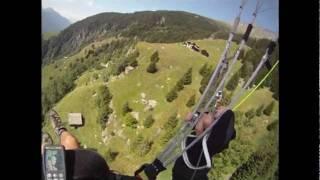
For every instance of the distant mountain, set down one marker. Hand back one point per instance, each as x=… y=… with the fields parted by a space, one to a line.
x=257 y=32
x=52 y=21
x=150 y=26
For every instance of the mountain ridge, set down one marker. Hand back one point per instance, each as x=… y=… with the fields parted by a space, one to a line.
x=150 y=26
x=52 y=21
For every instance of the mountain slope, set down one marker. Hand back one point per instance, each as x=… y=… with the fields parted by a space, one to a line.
x=138 y=86
x=150 y=26
x=52 y=21
x=257 y=32
x=48 y=35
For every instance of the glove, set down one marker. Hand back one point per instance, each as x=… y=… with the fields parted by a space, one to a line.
x=150 y=170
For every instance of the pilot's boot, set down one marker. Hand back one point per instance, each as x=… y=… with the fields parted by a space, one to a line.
x=56 y=122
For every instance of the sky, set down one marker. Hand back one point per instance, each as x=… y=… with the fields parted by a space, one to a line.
x=225 y=10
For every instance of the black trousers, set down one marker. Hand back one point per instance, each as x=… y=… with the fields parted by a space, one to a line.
x=222 y=133
x=88 y=165
x=181 y=171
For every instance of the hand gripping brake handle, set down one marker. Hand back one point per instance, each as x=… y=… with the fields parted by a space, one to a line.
x=151 y=170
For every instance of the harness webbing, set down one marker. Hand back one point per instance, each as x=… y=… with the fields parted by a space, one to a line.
x=218 y=77
x=187 y=127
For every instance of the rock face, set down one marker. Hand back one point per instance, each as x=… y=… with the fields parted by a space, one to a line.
x=128 y=69
x=135 y=115
x=152 y=103
x=105 y=140
x=104 y=65
x=149 y=104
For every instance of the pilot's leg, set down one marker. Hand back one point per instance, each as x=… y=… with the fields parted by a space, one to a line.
x=68 y=140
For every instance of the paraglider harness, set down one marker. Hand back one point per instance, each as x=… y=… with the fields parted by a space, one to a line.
x=211 y=95
x=170 y=154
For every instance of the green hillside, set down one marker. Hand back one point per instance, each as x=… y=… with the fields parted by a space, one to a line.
x=150 y=26
x=48 y=35
x=139 y=88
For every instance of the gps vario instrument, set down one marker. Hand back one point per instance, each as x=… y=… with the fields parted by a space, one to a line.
x=54 y=163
